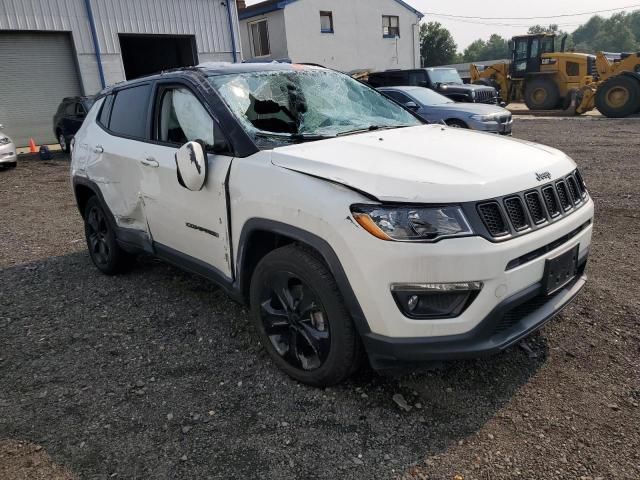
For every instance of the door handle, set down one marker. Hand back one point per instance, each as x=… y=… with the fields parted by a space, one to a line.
x=98 y=149
x=150 y=162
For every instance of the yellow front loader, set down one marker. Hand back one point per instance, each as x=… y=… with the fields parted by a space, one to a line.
x=615 y=91
x=548 y=80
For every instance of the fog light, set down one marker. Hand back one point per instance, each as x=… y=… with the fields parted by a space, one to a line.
x=434 y=300
x=412 y=303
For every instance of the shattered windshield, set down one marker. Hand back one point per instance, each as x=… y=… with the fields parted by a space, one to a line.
x=445 y=75
x=280 y=107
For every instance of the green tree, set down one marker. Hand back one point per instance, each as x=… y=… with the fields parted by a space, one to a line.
x=553 y=28
x=493 y=49
x=615 y=35
x=436 y=45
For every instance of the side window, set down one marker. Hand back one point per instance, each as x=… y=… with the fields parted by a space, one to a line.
x=70 y=109
x=182 y=119
x=521 y=56
x=129 y=111
x=390 y=26
x=259 y=32
x=535 y=47
x=418 y=79
x=399 y=97
x=105 y=112
x=80 y=109
x=326 y=22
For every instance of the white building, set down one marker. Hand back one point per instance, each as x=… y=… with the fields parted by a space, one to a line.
x=345 y=35
x=50 y=49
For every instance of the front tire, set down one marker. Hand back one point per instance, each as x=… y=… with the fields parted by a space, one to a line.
x=301 y=319
x=104 y=250
x=618 y=97
x=541 y=94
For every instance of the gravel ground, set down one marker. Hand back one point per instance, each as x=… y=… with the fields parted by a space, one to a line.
x=156 y=374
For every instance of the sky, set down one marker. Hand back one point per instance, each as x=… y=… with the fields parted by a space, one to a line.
x=465 y=32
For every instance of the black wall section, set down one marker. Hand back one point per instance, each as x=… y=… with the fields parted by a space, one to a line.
x=147 y=54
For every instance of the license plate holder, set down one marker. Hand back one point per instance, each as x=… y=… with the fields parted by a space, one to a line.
x=560 y=270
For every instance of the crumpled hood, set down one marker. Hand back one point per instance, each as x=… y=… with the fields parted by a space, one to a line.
x=426 y=164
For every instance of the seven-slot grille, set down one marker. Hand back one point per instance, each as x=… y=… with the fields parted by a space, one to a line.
x=517 y=213
x=485 y=96
x=493 y=219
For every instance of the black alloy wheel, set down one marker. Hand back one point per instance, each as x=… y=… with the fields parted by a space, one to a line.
x=301 y=319
x=295 y=321
x=97 y=232
x=104 y=250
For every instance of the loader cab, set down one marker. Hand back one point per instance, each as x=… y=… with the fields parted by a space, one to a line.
x=527 y=53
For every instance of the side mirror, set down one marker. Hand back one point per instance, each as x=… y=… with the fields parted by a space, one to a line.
x=412 y=106
x=192 y=166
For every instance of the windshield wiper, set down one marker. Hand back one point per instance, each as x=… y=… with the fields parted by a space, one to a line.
x=304 y=137
x=370 y=128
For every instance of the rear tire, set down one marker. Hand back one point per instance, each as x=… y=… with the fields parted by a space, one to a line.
x=103 y=247
x=301 y=319
x=8 y=166
x=618 y=97
x=455 y=123
x=64 y=142
x=541 y=94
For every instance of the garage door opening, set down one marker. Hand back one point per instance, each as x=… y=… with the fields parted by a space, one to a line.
x=147 y=54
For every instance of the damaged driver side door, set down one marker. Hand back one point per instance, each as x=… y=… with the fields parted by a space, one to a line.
x=189 y=225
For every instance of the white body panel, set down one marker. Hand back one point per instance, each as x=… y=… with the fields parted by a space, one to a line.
x=262 y=190
x=426 y=164
x=7 y=151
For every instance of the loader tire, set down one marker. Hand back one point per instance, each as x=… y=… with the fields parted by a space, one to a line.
x=541 y=94
x=618 y=97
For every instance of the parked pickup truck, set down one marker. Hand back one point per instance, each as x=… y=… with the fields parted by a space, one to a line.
x=445 y=81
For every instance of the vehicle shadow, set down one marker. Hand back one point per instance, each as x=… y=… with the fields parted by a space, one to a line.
x=157 y=374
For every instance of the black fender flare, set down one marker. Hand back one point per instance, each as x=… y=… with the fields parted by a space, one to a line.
x=320 y=245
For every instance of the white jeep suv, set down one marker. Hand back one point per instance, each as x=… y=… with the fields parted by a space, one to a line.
x=346 y=224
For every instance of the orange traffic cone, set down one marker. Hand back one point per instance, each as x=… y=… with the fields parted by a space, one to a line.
x=32 y=146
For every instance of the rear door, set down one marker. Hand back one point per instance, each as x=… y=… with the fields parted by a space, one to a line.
x=184 y=223
x=116 y=150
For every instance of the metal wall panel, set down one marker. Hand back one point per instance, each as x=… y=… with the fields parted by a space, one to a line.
x=38 y=71
x=206 y=19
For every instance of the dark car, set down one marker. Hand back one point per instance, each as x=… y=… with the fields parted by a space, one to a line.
x=69 y=117
x=445 y=81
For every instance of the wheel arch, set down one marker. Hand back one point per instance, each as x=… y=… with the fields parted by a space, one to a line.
x=260 y=236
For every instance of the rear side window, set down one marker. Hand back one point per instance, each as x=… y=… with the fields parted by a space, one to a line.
x=70 y=109
x=105 y=112
x=129 y=112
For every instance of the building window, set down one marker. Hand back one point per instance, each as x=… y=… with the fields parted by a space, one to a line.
x=259 y=32
x=390 y=26
x=326 y=22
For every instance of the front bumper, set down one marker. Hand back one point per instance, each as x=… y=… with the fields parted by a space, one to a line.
x=8 y=154
x=373 y=266
x=492 y=127
x=510 y=321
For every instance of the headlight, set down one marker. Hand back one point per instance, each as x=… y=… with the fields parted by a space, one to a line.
x=412 y=223
x=5 y=141
x=473 y=94
x=485 y=118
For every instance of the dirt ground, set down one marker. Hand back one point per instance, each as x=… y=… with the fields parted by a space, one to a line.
x=156 y=374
